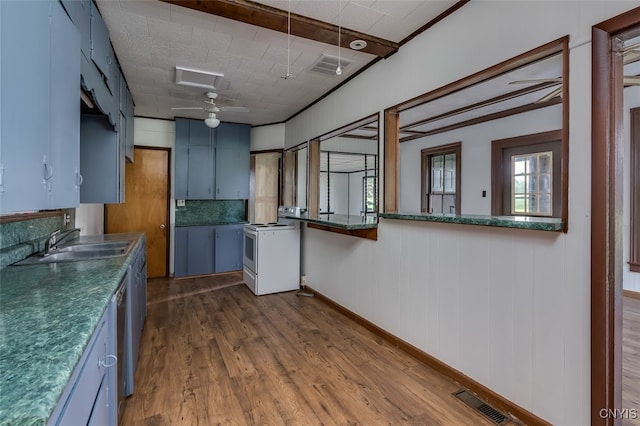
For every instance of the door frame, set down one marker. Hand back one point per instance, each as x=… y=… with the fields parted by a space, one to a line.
x=606 y=217
x=169 y=228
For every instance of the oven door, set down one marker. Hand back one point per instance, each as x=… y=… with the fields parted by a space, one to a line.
x=250 y=250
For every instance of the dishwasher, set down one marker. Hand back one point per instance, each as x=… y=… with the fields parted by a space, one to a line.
x=121 y=302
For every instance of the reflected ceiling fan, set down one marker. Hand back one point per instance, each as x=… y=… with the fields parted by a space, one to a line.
x=212 y=109
x=630 y=54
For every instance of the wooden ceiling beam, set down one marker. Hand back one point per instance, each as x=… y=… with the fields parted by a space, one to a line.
x=275 y=19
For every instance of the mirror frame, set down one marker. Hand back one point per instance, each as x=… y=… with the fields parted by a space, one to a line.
x=313 y=197
x=392 y=122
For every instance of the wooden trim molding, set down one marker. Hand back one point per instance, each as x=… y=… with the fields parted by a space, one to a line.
x=391 y=160
x=497 y=170
x=456 y=376
x=313 y=200
x=368 y=233
x=634 y=218
x=425 y=174
x=265 y=16
x=606 y=220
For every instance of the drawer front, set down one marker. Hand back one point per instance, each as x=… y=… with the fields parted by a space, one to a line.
x=81 y=400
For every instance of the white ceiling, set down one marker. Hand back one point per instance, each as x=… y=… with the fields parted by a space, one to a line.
x=151 y=38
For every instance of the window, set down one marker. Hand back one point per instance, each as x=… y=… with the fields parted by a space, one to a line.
x=526 y=175
x=634 y=219
x=531 y=184
x=441 y=179
x=369 y=194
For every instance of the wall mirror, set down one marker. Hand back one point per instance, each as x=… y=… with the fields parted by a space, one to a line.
x=344 y=165
x=493 y=143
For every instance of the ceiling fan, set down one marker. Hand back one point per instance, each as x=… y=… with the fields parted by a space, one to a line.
x=630 y=54
x=212 y=109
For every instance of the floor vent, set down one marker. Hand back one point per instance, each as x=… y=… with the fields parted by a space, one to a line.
x=483 y=408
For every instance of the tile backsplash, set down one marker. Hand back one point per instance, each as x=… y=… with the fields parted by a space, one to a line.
x=21 y=238
x=211 y=212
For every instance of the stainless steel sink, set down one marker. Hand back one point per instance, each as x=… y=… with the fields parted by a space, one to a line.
x=80 y=251
x=107 y=245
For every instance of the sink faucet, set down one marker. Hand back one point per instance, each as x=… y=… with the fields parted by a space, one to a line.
x=56 y=237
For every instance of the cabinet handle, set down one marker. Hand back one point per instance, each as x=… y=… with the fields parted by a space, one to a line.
x=103 y=363
x=48 y=169
x=79 y=179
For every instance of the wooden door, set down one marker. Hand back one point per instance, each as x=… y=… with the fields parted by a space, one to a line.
x=147 y=206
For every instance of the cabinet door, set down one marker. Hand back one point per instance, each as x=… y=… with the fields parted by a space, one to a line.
x=64 y=110
x=181 y=252
x=129 y=130
x=100 y=161
x=182 y=158
x=200 y=172
x=100 y=44
x=201 y=250
x=100 y=416
x=228 y=248
x=232 y=161
x=24 y=50
x=80 y=13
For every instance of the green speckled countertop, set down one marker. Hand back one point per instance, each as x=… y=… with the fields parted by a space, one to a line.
x=48 y=313
x=341 y=221
x=519 y=222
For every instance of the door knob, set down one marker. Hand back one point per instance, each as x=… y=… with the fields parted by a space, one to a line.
x=162 y=226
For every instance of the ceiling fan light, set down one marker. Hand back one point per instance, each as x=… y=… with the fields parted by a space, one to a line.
x=212 y=121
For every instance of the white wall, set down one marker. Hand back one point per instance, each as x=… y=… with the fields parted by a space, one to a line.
x=630 y=280
x=509 y=308
x=90 y=219
x=476 y=157
x=267 y=137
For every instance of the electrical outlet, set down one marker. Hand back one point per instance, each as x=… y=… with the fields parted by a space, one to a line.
x=303 y=280
x=179 y=203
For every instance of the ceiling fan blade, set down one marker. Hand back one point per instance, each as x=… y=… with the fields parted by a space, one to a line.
x=630 y=56
x=631 y=80
x=188 y=108
x=234 y=109
x=549 y=96
x=630 y=47
x=538 y=80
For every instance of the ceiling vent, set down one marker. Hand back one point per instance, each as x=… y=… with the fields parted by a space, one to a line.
x=197 y=78
x=327 y=64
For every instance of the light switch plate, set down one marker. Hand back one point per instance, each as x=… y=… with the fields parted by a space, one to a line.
x=179 y=203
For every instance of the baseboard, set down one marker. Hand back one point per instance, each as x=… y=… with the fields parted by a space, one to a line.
x=484 y=393
x=632 y=294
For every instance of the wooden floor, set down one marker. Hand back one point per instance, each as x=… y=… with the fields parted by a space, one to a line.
x=212 y=353
x=631 y=358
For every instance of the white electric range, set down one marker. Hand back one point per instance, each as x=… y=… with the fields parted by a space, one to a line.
x=271 y=257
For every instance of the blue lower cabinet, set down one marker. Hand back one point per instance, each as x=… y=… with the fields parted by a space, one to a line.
x=201 y=250
x=90 y=397
x=228 y=248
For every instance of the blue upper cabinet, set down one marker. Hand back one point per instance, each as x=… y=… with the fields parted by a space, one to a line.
x=101 y=52
x=80 y=13
x=33 y=174
x=232 y=161
x=64 y=110
x=212 y=163
x=200 y=172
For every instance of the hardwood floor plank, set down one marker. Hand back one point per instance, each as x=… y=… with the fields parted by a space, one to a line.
x=631 y=359
x=213 y=353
